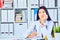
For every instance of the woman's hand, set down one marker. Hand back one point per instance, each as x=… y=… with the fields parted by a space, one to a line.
x=32 y=35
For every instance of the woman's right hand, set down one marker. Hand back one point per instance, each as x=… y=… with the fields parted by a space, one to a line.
x=33 y=34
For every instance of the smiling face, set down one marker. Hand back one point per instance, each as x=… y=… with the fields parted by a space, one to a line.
x=42 y=15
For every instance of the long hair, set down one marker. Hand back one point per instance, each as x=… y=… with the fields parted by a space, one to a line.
x=43 y=7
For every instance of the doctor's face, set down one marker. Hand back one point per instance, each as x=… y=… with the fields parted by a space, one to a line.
x=42 y=14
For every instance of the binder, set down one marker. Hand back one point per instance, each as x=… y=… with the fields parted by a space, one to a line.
x=55 y=14
x=46 y=3
x=2 y=29
x=11 y=30
x=32 y=15
x=6 y=29
x=34 y=3
x=24 y=16
x=15 y=3
x=10 y=15
x=41 y=2
x=20 y=4
x=35 y=13
x=51 y=13
x=58 y=3
x=51 y=3
x=24 y=3
x=4 y=15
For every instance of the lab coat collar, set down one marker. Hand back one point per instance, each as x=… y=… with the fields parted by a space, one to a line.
x=46 y=22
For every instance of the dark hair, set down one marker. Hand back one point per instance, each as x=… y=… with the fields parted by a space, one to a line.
x=43 y=7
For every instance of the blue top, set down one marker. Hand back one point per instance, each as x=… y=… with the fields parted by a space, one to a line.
x=41 y=31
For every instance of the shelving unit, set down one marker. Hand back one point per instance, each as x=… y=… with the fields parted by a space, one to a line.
x=8 y=25
x=52 y=7
x=24 y=11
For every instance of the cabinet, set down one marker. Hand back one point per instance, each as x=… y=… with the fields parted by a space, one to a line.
x=7 y=15
x=20 y=29
x=13 y=18
x=7 y=29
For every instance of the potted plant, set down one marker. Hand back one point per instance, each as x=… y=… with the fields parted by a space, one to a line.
x=57 y=32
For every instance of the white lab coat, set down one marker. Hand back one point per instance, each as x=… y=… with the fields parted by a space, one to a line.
x=41 y=31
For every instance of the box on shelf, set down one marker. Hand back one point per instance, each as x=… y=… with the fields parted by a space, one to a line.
x=20 y=15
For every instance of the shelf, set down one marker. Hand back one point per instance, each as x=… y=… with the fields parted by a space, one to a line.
x=21 y=8
x=6 y=8
x=21 y=22
x=53 y=8
x=8 y=2
x=7 y=22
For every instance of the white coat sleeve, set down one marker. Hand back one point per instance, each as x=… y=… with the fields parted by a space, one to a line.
x=30 y=29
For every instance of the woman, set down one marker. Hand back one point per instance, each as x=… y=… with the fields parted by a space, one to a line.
x=43 y=26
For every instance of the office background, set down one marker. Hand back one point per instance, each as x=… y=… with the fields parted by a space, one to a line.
x=16 y=15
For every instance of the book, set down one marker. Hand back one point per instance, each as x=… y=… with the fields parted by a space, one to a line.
x=1 y=3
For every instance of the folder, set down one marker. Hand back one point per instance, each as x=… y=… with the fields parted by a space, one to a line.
x=15 y=4
x=34 y=3
x=4 y=15
x=10 y=15
x=20 y=4
x=55 y=14
x=6 y=29
x=25 y=3
x=41 y=2
x=46 y=3
x=58 y=2
x=24 y=16
x=2 y=29
x=51 y=13
x=11 y=31
x=51 y=3
x=32 y=15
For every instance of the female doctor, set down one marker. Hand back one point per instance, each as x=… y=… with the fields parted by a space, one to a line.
x=42 y=27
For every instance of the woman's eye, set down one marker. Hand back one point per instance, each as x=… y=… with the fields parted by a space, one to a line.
x=43 y=11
